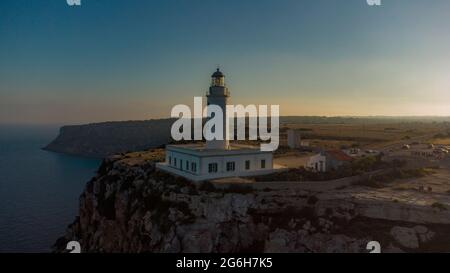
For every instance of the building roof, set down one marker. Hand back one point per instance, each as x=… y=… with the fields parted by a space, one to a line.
x=217 y=74
x=339 y=155
x=200 y=150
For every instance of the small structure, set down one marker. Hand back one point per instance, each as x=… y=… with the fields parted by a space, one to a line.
x=353 y=152
x=358 y=153
x=328 y=161
x=428 y=151
x=294 y=138
x=216 y=158
x=304 y=144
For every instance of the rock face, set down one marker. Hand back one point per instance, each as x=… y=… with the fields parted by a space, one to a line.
x=105 y=139
x=406 y=237
x=130 y=207
x=412 y=237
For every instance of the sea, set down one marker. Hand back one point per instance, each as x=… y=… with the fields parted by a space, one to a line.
x=39 y=190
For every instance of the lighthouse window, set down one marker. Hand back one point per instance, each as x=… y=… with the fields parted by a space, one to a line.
x=212 y=167
x=230 y=166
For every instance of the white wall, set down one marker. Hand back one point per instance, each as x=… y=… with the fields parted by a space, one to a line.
x=218 y=95
x=317 y=159
x=255 y=162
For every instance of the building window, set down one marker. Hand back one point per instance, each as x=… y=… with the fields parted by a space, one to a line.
x=193 y=167
x=231 y=166
x=175 y=162
x=263 y=164
x=181 y=164
x=170 y=160
x=187 y=165
x=247 y=164
x=212 y=167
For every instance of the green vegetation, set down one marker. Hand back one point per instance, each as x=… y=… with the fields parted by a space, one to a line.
x=439 y=206
x=442 y=135
x=237 y=188
x=232 y=188
x=368 y=164
x=208 y=187
x=312 y=200
x=400 y=188
x=357 y=167
x=379 y=181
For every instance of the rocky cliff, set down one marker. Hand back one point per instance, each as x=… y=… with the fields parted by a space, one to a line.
x=130 y=207
x=108 y=138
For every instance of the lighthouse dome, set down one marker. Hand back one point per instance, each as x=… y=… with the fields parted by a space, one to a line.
x=218 y=74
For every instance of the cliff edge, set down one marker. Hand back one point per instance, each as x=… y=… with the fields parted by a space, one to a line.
x=100 y=140
x=131 y=207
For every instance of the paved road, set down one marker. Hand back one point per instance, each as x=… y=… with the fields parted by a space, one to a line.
x=398 y=144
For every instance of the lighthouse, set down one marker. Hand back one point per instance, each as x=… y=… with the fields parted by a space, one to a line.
x=216 y=158
x=218 y=95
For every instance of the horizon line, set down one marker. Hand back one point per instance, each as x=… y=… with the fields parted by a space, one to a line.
x=284 y=116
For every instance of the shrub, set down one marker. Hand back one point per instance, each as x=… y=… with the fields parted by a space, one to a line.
x=439 y=206
x=207 y=186
x=312 y=200
x=369 y=182
x=242 y=189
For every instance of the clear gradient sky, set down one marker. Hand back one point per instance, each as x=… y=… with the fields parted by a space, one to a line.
x=135 y=59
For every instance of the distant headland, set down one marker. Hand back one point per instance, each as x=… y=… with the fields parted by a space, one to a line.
x=100 y=140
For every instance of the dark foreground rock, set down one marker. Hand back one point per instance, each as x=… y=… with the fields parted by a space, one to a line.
x=130 y=207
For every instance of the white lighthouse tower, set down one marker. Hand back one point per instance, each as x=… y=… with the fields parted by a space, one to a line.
x=218 y=95
x=216 y=158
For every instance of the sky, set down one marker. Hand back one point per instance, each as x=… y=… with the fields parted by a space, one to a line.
x=135 y=59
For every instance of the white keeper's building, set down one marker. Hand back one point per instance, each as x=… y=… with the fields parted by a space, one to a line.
x=216 y=158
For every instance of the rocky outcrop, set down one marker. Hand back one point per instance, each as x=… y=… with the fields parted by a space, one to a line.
x=100 y=140
x=412 y=237
x=131 y=207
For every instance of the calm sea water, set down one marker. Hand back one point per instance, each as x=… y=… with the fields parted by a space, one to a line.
x=39 y=190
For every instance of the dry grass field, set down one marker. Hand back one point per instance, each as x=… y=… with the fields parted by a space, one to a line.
x=442 y=141
x=370 y=136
